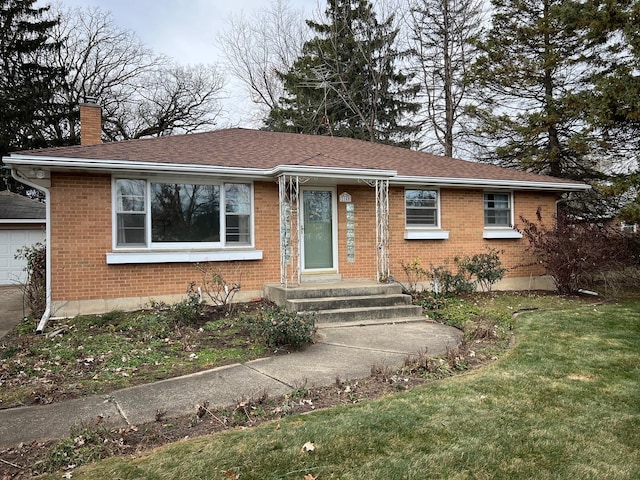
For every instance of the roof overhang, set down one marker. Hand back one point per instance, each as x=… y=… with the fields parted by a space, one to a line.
x=125 y=166
x=490 y=183
x=22 y=221
x=323 y=174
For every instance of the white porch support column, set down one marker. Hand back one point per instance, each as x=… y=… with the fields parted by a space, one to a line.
x=289 y=190
x=382 y=230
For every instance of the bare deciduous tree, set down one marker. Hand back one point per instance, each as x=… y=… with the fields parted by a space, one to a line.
x=171 y=98
x=141 y=93
x=258 y=48
x=441 y=32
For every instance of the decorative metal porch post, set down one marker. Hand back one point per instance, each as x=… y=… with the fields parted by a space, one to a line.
x=289 y=193
x=382 y=230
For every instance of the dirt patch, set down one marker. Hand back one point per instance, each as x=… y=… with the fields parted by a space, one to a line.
x=99 y=354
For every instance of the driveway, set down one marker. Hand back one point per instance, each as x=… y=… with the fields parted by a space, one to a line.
x=11 y=310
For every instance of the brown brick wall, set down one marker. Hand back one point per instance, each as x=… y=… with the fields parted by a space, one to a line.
x=461 y=214
x=82 y=236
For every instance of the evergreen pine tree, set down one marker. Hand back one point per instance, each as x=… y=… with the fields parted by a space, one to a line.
x=346 y=82
x=26 y=82
x=532 y=77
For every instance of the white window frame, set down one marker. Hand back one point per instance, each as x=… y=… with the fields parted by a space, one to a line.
x=168 y=252
x=424 y=232
x=500 y=231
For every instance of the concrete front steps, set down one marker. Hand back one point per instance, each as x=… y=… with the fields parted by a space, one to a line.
x=347 y=302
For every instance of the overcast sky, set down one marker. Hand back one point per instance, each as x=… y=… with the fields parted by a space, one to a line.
x=185 y=30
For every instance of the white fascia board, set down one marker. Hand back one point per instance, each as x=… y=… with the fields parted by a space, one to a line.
x=485 y=183
x=333 y=172
x=67 y=163
x=25 y=221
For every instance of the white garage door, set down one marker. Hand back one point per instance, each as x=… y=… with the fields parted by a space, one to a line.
x=11 y=269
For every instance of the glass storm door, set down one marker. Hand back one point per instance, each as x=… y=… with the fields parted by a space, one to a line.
x=317 y=223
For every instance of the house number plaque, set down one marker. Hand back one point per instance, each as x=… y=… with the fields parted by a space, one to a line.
x=351 y=233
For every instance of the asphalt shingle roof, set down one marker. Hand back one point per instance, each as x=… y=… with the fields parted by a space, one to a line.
x=247 y=148
x=18 y=207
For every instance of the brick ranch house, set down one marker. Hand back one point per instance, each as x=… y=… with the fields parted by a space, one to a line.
x=129 y=221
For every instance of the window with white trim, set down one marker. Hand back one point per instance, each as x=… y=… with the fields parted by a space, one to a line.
x=182 y=215
x=421 y=207
x=497 y=210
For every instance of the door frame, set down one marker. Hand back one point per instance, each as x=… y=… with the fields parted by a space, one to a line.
x=334 y=229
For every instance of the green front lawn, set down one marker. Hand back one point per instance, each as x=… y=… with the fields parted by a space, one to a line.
x=563 y=404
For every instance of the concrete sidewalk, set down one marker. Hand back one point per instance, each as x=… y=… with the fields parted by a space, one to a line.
x=346 y=351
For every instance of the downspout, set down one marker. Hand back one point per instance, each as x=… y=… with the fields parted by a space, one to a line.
x=47 y=311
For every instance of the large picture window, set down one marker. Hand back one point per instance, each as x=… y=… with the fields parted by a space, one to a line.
x=185 y=213
x=421 y=207
x=168 y=215
x=497 y=210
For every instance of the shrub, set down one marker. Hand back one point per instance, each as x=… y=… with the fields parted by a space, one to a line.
x=415 y=274
x=35 y=288
x=185 y=312
x=581 y=254
x=485 y=267
x=279 y=327
x=216 y=288
x=449 y=283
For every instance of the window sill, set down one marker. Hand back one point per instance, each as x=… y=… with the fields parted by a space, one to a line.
x=122 y=258
x=490 y=233
x=426 y=234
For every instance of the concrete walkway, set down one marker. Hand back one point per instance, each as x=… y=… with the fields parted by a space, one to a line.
x=346 y=351
x=11 y=309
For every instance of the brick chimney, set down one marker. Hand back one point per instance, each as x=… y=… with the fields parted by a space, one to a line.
x=90 y=122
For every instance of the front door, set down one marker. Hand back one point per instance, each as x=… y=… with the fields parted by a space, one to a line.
x=318 y=217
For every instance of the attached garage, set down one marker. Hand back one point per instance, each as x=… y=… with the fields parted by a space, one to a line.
x=22 y=223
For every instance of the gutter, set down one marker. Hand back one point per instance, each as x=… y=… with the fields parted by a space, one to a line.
x=497 y=184
x=47 y=312
x=51 y=163
x=133 y=167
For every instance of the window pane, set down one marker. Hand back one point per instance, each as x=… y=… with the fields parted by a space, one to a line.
x=185 y=213
x=238 y=229
x=131 y=229
x=421 y=198
x=130 y=195
x=496 y=200
x=421 y=216
x=497 y=210
x=237 y=197
x=421 y=207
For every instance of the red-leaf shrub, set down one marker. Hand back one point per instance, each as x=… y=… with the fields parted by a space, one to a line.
x=579 y=254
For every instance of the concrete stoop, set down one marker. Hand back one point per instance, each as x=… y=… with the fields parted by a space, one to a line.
x=346 y=301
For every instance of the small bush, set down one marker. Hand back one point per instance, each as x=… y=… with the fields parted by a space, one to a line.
x=279 y=327
x=415 y=274
x=485 y=267
x=449 y=283
x=35 y=289
x=217 y=288
x=185 y=312
x=443 y=280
